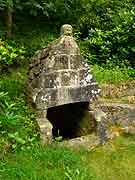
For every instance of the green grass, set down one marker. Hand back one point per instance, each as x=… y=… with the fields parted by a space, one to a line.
x=114 y=75
x=115 y=164
x=113 y=161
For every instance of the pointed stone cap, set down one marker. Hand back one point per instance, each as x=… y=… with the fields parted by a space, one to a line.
x=59 y=75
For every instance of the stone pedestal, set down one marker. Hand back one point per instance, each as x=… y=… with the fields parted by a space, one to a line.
x=45 y=127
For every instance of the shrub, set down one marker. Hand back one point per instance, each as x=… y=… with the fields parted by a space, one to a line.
x=14 y=115
x=113 y=47
x=9 y=54
x=107 y=31
x=17 y=120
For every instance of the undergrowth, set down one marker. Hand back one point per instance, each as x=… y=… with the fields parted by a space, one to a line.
x=34 y=36
x=17 y=121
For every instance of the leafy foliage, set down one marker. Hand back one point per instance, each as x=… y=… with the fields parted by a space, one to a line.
x=6 y=3
x=107 y=31
x=114 y=47
x=14 y=113
x=10 y=54
x=58 y=10
x=10 y=122
x=106 y=27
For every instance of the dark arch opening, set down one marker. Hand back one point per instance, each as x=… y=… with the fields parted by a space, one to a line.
x=70 y=120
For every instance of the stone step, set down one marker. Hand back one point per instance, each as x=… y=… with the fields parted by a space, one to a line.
x=120 y=118
x=123 y=92
x=118 y=103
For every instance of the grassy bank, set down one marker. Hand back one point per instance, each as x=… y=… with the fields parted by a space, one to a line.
x=113 y=161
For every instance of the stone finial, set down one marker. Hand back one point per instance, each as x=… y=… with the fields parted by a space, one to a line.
x=66 y=30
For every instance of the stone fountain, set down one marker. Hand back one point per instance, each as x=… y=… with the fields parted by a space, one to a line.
x=62 y=89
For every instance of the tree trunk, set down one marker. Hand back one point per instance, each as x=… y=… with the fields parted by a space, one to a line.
x=8 y=22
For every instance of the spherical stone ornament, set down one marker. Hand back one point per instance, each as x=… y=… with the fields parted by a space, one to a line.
x=66 y=30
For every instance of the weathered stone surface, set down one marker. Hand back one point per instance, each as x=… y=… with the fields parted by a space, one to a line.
x=58 y=75
x=120 y=118
x=112 y=120
x=121 y=93
x=87 y=142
